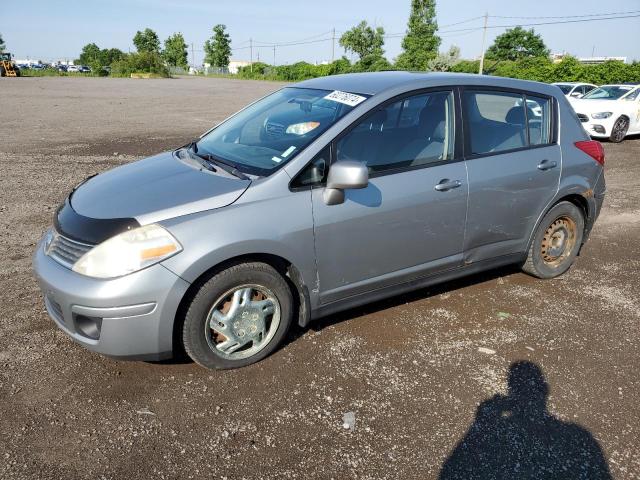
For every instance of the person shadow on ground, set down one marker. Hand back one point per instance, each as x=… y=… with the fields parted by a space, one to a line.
x=514 y=437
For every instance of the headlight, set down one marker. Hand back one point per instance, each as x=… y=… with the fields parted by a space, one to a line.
x=128 y=252
x=601 y=115
x=302 y=128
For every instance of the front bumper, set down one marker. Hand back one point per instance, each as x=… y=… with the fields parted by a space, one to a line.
x=129 y=317
x=598 y=128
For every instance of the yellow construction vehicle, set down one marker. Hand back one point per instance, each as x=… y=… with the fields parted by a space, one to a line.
x=7 y=67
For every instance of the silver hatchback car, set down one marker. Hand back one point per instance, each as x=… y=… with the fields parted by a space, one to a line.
x=324 y=195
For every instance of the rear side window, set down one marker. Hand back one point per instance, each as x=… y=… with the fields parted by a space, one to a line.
x=538 y=119
x=501 y=121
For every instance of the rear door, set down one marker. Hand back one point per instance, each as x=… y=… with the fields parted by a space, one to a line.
x=409 y=221
x=514 y=164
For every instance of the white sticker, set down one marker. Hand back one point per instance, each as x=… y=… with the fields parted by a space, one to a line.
x=276 y=159
x=288 y=151
x=350 y=99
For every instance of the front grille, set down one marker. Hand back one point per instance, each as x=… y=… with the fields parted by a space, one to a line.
x=583 y=118
x=66 y=251
x=275 y=129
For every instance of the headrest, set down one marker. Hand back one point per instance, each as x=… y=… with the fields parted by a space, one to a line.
x=515 y=116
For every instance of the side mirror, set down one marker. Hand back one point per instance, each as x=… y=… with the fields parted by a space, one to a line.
x=343 y=175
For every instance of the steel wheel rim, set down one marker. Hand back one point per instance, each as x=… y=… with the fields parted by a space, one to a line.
x=242 y=321
x=558 y=241
x=619 y=129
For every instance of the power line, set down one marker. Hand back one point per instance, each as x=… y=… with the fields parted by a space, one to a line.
x=568 y=16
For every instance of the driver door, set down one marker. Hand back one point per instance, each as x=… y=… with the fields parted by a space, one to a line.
x=410 y=220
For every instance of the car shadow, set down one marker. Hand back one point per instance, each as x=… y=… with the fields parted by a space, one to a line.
x=515 y=437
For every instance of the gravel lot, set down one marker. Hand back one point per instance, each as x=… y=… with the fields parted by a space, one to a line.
x=420 y=371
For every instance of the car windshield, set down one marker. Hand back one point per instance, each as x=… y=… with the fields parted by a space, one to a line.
x=608 y=92
x=565 y=88
x=266 y=135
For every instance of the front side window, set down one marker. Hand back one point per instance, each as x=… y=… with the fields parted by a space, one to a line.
x=272 y=131
x=499 y=121
x=633 y=95
x=412 y=132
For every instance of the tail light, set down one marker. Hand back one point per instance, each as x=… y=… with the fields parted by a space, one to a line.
x=592 y=148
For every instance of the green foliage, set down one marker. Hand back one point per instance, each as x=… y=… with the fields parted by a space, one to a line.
x=517 y=43
x=142 y=62
x=421 y=43
x=218 y=48
x=444 y=62
x=2 y=45
x=364 y=41
x=92 y=55
x=175 y=51
x=147 y=41
x=568 y=70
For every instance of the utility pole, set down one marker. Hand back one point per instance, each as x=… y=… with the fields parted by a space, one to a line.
x=193 y=60
x=333 y=45
x=484 y=36
x=274 y=55
x=251 y=54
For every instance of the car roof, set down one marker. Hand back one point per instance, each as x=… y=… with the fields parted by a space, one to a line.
x=373 y=83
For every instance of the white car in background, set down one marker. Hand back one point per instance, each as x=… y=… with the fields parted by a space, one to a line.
x=610 y=111
x=575 y=89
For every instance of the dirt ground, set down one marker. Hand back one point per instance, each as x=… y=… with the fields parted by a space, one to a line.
x=420 y=371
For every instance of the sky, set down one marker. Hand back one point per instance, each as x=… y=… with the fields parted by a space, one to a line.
x=56 y=30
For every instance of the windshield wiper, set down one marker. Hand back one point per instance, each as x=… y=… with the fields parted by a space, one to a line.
x=213 y=161
x=224 y=165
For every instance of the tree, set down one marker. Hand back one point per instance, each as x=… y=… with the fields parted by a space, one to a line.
x=445 y=61
x=175 y=51
x=90 y=54
x=147 y=41
x=363 y=40
x=517 y=43
x=110 y=55
x=2 y=45
x=217 y=49
x=421 y=43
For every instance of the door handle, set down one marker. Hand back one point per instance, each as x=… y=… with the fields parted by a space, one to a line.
x=547 y=165
x=446 y=184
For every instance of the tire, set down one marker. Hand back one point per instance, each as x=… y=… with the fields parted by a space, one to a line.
x=2 y=72
x=264 y=314
x=556 y=241
x=619 y=130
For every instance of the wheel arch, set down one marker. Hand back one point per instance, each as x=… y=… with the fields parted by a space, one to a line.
x=284 y=267
x=580 y=201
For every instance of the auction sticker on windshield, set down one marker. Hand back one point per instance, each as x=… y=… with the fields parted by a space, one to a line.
x=350 y=99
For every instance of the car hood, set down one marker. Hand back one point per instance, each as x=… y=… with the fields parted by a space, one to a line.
x=155 y=189
x=594 y=106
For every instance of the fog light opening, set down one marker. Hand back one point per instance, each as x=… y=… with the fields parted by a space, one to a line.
x=88 y=326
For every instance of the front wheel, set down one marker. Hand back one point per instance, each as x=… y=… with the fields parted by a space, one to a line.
x=619 y=130
x=238 y=317
x=556 y=242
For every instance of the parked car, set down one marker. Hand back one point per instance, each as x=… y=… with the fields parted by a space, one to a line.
x=575 y=89
x=219 y=246
x=84 y=69
x=73 y=68
x=610 y=111
x=61 y=68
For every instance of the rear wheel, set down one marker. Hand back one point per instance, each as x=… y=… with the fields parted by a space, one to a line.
x=619 y=130
x=556 y=241
x=238 y=317
x=2 y=72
